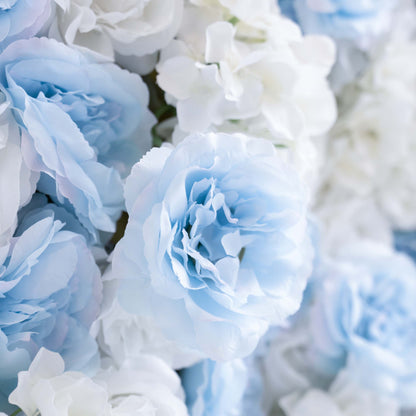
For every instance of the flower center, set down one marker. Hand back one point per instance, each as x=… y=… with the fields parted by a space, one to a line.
x=208 y=243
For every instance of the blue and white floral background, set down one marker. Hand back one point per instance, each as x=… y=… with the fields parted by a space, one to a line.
x=208 y=208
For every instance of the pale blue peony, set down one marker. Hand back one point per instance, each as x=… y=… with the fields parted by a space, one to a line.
x=83 y=125
x=364 y=318
x=357 y=20
x=21 y=19
x=216 y=247
x=50 y=293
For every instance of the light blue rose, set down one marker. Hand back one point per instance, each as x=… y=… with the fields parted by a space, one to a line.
x=83 y=125
x=340 y=19
x=216 y=247
x=21 y=19
x=50 y=293
x=364 y=318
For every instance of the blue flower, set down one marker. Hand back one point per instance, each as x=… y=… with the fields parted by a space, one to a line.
x=364 y=319
x=341 y=19
x=405 y=241
x=50 y=292
x=21 y=19
x=213 y=388
x=233 y=388
x=83 y=125
x=216 y=247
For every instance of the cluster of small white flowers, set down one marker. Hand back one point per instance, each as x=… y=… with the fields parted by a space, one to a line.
x=371 y=151
x=235 y=66
x=122 y=30
x=242 y=66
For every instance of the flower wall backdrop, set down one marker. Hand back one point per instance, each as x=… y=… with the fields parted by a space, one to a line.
x=208 y=207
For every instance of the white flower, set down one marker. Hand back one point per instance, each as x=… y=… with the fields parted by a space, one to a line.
x=371 y=151
x=144 y=387
x=246 y=10
x=344 y=398
x=123 y=336
x=46 y=388
x=130 y=28
x=17 y=182
x=347 y=218
x=216 y=71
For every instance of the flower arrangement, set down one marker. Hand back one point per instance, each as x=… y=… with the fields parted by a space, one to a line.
x=208 y=208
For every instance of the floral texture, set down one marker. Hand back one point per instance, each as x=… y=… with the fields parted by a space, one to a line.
x=406 y=242
x=82 y=125
x=249 y=65
x=122 y=29
x=50 y=292
x=144 y=388
x=361 y=318
x=124 y=336
x=359 y=20
x=368 y=178
x=344 y=398
x=200 y=216
x=16 y=179
x=215 y=388
x=233 y=388
x=358 y=27
x=21 y=19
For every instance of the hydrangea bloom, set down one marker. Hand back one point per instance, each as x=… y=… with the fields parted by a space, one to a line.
x=143 y=388
x=260 y=66
x=371 y=149
x=50 y=292
x=362 y=318
x=200 y=218
x=83 y=124
x=357 y=26
x=21 y=19
x=125 y=28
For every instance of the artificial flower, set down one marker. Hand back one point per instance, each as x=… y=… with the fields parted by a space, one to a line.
x=200 y=218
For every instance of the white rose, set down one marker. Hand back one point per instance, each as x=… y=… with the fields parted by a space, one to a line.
x=131 y=28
